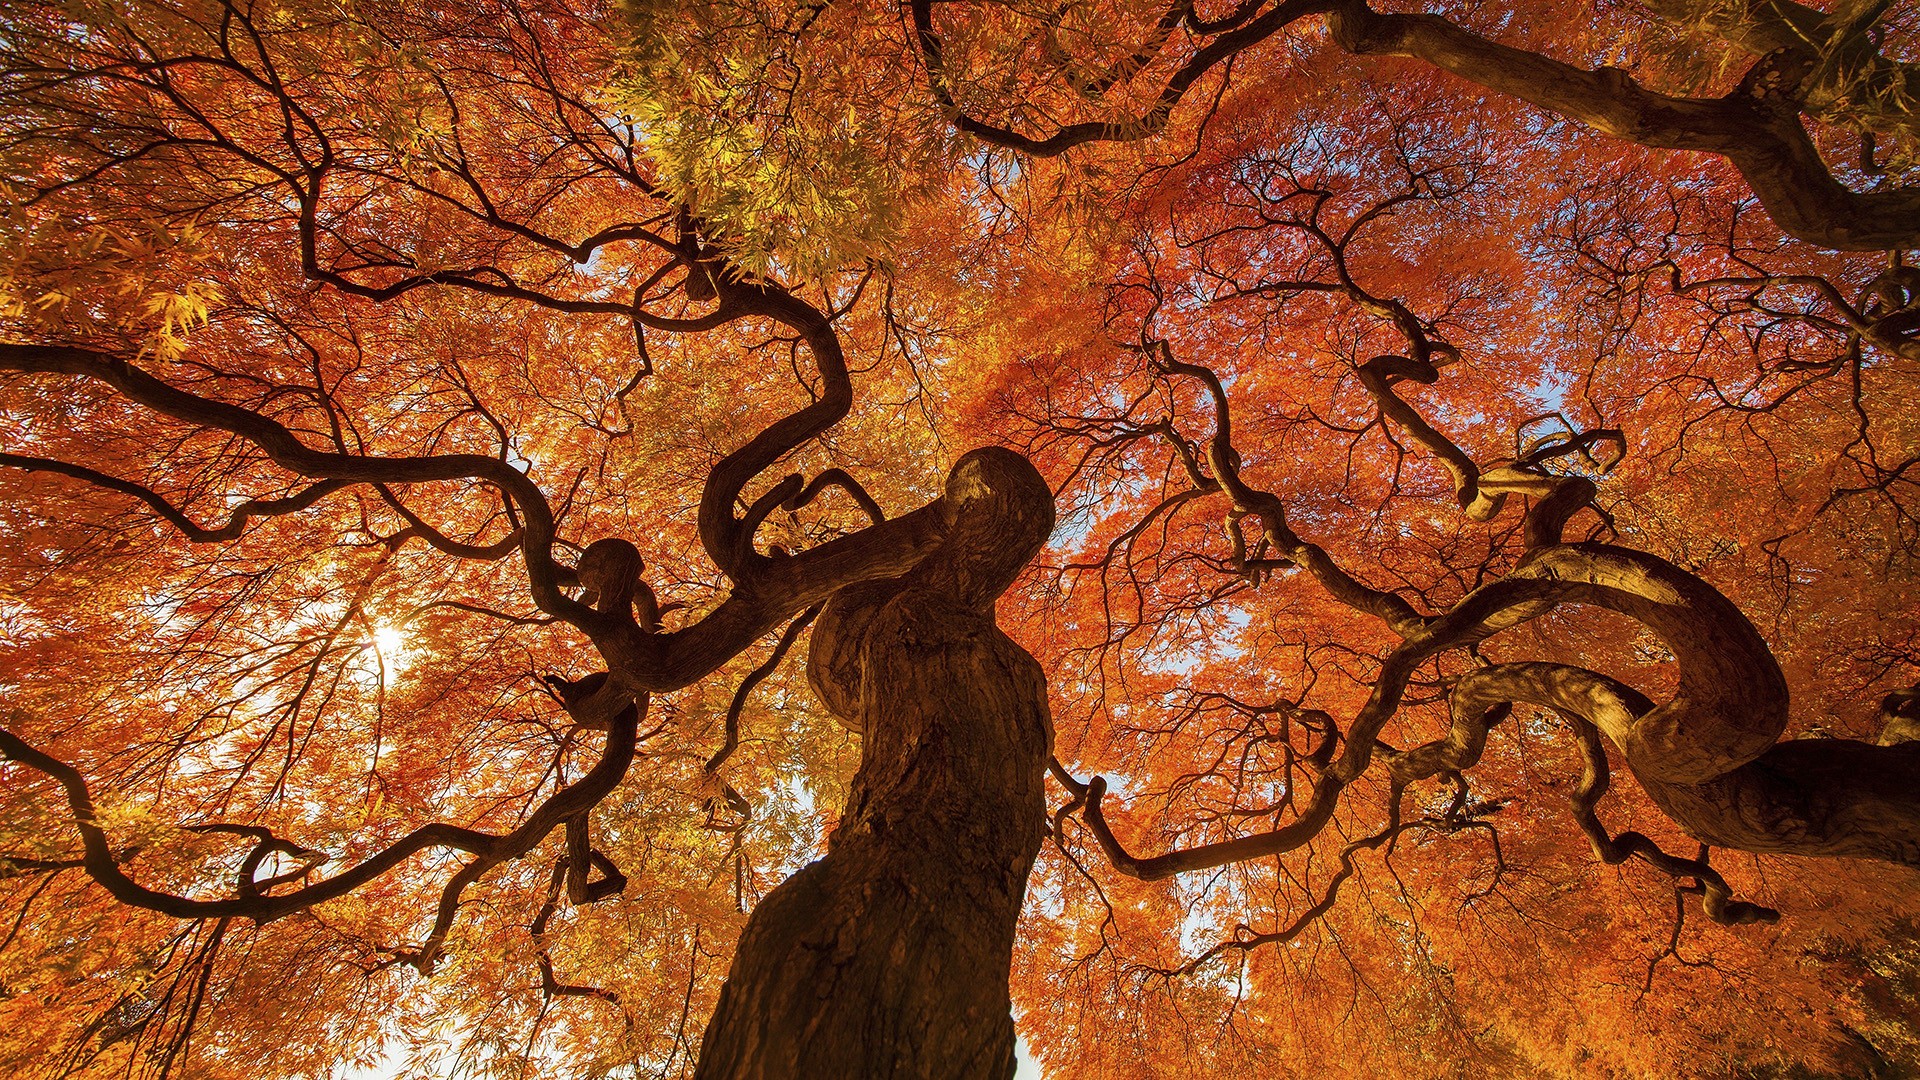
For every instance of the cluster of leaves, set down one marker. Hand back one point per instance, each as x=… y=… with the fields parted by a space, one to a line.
x=781 y=127
x=370 y=223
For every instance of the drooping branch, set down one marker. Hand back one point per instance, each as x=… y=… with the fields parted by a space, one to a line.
x=1886 y=315
x=285 y=449
x=442 y=542
x=1480 y=490
x=755 y=678
x=1224 y=461
x=550 y=983
x=1716 y=896
x=1730 y=703
x=103 y=863
x=1708 y=756
x=1245 y=938
x=1231 y=40
x=237 y=518
x=1590 y=703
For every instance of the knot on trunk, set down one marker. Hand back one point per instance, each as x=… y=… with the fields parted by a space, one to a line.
x=996 y=513
x=999 y=511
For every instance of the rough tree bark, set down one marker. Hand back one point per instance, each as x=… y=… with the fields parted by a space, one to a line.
x=1710 y=756
x=890 y=956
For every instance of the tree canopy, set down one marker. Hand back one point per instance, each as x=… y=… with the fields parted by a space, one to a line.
x=491 y=491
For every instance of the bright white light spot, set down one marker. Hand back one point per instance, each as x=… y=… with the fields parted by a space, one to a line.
x=388 y=657
x=389 y=640
x=1028 y=1068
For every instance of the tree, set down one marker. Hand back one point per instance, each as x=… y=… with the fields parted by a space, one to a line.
x=430 y=429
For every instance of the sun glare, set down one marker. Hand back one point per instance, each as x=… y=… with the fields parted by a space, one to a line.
x=389 y=640
x=390 y=655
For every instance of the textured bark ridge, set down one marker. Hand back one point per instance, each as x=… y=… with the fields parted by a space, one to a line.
x=1710 y=755
x=890 y=956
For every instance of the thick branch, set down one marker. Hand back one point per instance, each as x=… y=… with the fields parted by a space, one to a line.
x=720 y=532
x=1856 y=80
x=1757 y=127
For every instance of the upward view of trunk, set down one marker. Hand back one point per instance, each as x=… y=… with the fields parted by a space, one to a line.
x=890 y=956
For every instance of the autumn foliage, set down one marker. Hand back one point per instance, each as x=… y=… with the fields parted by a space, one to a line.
x=431 y=433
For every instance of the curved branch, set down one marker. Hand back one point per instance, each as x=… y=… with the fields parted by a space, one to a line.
x=286 y=450
x=1757 y=127
x=1215 y=52
x=843 y=480
x=550 y=984
x=1224 y=461
x=1729 y=707
x=237 y=518
x=1716 y=897
x=720 y=531
x=442 y=542
x=102 y=865
x=1590 y=703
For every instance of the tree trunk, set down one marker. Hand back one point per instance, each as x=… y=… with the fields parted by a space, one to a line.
x=890 y=956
